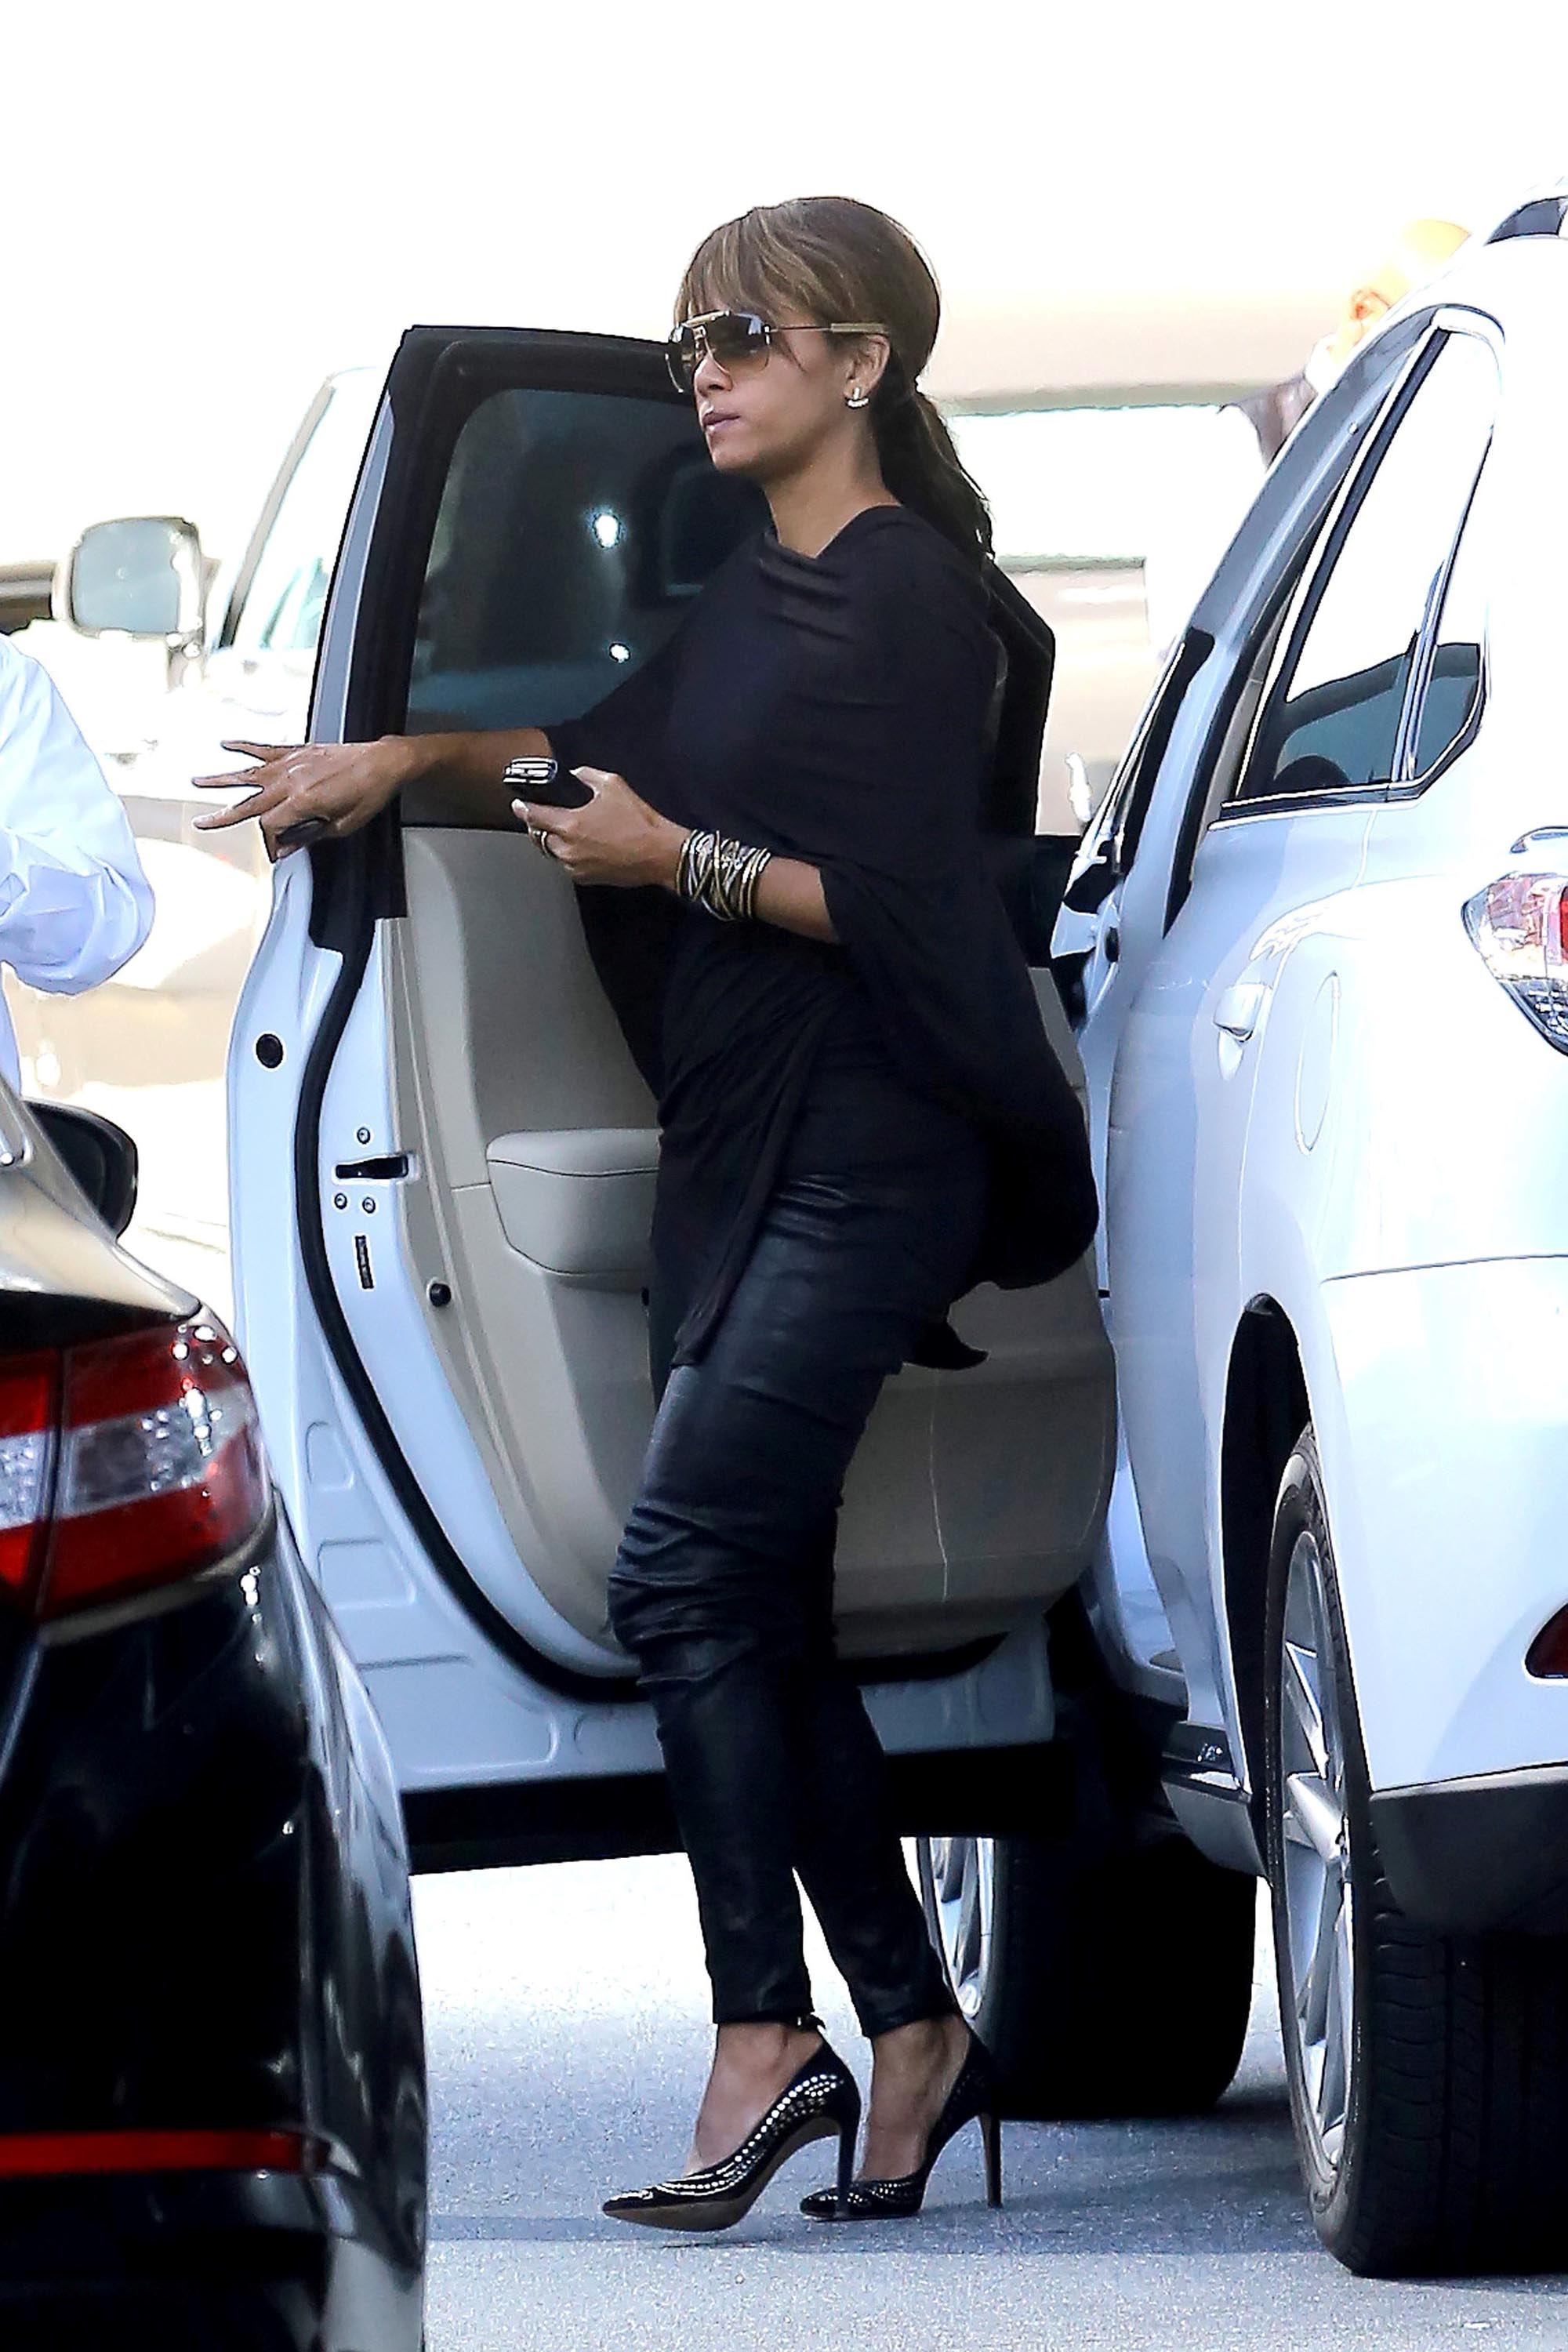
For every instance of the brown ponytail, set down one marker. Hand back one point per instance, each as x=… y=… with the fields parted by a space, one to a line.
x=831 y=258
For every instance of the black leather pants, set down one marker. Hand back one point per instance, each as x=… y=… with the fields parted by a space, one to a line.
x=723 y=1587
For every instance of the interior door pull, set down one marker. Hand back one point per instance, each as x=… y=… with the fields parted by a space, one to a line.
x=1237 y=1010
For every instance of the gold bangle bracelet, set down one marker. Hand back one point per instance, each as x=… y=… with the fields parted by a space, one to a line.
x=719 y=875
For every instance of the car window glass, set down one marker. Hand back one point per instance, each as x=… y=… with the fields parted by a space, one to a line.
x=573 y=530
x=1451 y=691
x=1331 y=720
x=286 y=594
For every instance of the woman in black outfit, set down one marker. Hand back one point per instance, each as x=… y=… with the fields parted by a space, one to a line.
x=860 y=1116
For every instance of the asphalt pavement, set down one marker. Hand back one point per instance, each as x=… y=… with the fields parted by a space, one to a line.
x=567 y=2038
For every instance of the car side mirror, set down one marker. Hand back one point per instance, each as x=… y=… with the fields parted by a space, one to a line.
x=142 y=575
x=100 y=1156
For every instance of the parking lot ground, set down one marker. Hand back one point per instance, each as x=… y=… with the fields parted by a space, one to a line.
x=567 y=2036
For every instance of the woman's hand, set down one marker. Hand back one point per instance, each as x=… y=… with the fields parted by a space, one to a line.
x=615 y=837
x=340 y=785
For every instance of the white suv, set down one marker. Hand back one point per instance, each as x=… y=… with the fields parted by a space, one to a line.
x=1319 y=940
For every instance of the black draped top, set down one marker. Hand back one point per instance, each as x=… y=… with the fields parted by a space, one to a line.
x=834 y=709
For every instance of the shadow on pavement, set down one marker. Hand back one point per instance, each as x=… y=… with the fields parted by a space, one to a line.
x=1225 y=2183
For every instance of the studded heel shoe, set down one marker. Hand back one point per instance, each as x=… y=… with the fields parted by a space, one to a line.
x=822 y=2100
x=972 y=2099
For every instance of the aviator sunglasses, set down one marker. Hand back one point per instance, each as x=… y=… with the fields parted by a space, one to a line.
x=738 y=338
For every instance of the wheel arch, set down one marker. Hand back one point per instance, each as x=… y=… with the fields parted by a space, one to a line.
x=1265 y=1407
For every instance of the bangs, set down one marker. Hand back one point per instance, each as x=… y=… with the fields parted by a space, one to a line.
x=746 y=265
x=824 y=261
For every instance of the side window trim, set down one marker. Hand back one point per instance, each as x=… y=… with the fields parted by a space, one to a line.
x=1195 y=647
x=1445 y=327
x=1110 y=839
x=1425 y=646
x=1384 y=389
x=1109 y=821
x=1409 y=781
x=1240 y=808
x=1411 y=787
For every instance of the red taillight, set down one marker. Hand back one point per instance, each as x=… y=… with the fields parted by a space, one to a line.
x=1520 y=928
x=125 y=1464
x=29 y=2155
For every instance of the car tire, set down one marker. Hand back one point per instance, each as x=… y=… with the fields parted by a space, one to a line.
x=1428 y=2076
x=1104 y=1983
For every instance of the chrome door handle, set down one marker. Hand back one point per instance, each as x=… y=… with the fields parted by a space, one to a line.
x=1237 y=1010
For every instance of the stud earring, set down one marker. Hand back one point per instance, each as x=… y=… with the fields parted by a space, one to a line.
x=857 y=397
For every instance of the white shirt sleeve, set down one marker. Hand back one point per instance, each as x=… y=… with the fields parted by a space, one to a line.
x=74 y=902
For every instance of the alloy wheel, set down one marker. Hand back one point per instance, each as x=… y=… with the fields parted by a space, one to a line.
x=963 y=1887
x=1319 y=2009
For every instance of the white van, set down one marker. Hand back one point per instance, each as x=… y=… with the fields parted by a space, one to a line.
x=1318 y=943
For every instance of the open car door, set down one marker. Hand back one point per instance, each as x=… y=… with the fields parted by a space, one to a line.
x=444 y=1157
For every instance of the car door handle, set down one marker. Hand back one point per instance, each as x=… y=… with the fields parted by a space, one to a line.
x=1238 y=1009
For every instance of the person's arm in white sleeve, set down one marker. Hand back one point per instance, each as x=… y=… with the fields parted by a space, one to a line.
x=74 y=902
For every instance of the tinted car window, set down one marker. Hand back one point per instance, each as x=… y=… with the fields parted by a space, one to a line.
x=1331 y=721
x=574 y=528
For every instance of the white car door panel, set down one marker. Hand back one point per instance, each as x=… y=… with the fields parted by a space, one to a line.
x=1180 y=1118
x=1213 y=1020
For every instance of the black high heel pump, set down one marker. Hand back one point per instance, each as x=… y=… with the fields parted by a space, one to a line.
x=823 y=2099
x=972 y=2099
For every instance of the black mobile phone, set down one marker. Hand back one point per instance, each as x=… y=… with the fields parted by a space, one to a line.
x=542 y=782
x=300 y=834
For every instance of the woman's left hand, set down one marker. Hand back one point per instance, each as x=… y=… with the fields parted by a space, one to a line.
x=615 y=837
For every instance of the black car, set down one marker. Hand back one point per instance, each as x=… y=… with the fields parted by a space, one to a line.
x=212 y=2083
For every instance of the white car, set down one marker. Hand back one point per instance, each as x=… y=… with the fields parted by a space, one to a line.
x=1319 y=937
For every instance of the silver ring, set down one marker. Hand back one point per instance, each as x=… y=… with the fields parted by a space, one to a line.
x=541 y=840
